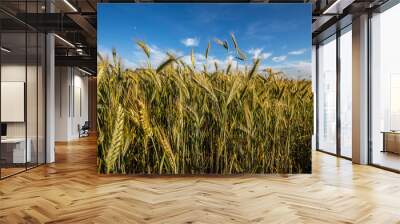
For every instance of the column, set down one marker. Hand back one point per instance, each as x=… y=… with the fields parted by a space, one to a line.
x=360 y=90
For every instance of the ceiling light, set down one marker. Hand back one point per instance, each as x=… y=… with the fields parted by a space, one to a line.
x=338 y=6
x=5 y=50
x=65 y=41
x=79 y=51
x=84 y=71
x=70 y=5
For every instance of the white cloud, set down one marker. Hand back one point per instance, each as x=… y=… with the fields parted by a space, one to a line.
x=258 y=53
x=255 y=52
x=279 y=58
x=105 y=52
x=298 y=52
x=174 y=52
x=265 y=55
x=190 y=42
x=295 y=70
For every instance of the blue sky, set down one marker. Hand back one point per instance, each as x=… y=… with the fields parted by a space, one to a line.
x=279 y=34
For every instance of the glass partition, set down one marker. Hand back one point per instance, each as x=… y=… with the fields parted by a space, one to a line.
x=346 y=92
x=22 y=88
x=327 y=95
x=385 y=89
x=14 y=153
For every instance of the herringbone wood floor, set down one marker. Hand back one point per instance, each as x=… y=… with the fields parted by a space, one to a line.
x=70 y=191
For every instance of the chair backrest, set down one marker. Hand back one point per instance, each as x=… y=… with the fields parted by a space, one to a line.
x=86 y=124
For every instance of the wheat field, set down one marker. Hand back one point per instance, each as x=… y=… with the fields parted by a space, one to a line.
x=180 y=119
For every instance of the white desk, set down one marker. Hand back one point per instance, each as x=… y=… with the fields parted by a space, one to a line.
x=19 y=154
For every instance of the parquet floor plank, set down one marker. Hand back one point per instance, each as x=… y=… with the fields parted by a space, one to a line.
x=70 y=191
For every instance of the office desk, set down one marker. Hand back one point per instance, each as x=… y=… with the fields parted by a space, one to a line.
x=13 y=150
x=391 y=141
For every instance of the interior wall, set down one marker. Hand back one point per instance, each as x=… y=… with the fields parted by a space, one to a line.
x=62 y=81
x=92 y=99
x=80 y=109
x=16 y=73
x=71 y=102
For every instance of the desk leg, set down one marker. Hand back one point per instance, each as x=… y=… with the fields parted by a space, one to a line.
x=384 y=142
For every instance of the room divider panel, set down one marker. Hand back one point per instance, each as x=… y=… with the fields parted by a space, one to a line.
x=22 y=88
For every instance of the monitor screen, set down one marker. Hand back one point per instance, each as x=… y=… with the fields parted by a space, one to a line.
x=3 y=129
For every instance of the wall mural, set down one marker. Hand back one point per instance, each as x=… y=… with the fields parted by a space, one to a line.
x=204 y=88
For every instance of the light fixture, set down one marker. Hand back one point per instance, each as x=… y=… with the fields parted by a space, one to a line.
x=84 y=71
x=79 y=51
x=337 y=7
x=5 y=50
x=64 y=40
x=70 y=5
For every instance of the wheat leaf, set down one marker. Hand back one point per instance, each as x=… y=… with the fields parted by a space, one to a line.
x=234 y=41
x=241 y=56
x=167 y=62
x=222 y=43
x=254 y=69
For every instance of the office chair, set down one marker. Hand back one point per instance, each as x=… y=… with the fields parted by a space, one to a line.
x=84 y=130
